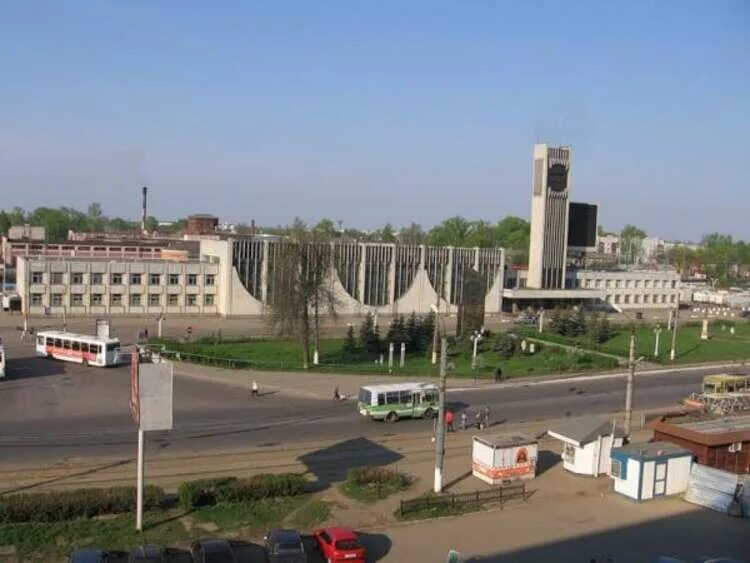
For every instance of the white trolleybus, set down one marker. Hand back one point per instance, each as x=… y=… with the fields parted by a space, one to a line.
x=393 y=401
x=79 y=348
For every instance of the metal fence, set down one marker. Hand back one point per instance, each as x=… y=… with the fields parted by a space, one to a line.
x=477 y=498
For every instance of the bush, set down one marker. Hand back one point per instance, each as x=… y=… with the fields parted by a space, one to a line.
x=377 y=475
x=80 y=503
x=207 y=492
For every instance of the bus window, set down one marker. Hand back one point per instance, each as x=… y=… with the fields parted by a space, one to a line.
x=405 y=397
x=76 y=346
x=58 y=343
x=113 y=346
x=381 y=398
x=365 y=396
x=66 y=344
x=391 y=397
x=94 y=348
x=40 y=340
x=84 y=346
x=50 y=342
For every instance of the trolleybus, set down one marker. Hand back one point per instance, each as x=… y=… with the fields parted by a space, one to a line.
x=79 y=348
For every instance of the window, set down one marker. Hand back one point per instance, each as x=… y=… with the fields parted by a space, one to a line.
x=116 y=279
x=191 y=300
x=115 y=299
x=154 y=299
x=56 y=277
x=674 y=284
x=76 y=278
x=192 y=279
x=636 y=298
x=646 y=298
x=208 y=300
x=326 y=538
x=77 y=299
x=608 y=284
x=569 y=453
x=96 y=298
x=617 y=284
x=617 y=469
x=135 y=299
x=627 y=298
x=36 y=298
x=76 y=346
x=58 y=343
x=671 y=298
x=57 y=299
x=154 y=279
x=210 y=279
x=174 y=279
x=381 y=398
x=135 y=279
x=36 y=277
x=617 y=298
x=172 y=299
x=85 y=347
x=647 y=283
x=392 y=398
x=96 y=279
x=66 y=344
x=94 y=348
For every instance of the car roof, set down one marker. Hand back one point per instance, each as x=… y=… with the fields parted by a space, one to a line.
x=87 y=556
x=285 y=535
x=214 y=544
x=341 y=533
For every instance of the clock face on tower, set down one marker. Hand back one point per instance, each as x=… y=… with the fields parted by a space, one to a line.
x=557 y=178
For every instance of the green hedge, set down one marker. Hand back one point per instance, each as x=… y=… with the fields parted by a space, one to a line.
x=206 y=492
x=57 y=506
x=377 y=476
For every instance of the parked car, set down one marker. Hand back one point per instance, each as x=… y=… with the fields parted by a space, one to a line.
x=146 y=554
x=212 y=551
x=97 y=556
x=340 y=544
x=285 y=546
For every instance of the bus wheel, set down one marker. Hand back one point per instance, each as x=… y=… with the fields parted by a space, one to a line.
x=391 y=417
x=429 y=413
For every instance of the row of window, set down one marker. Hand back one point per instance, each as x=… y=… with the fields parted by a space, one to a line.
x=76 y=278
x=637 y=298
x=154 y=299
x=629 y=284
x=76 y=345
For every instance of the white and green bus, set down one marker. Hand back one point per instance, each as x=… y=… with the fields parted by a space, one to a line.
x=392 y=401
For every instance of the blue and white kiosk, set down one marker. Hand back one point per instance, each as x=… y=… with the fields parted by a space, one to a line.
x=646 y=471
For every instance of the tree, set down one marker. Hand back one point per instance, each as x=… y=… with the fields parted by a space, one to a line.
x=350 y=343
x=369 y=337
x=300 y=287
x=387 y=234
x=413 y=234
x=325 y=228
x=505 y=345
x=396 y=330
x=451 y=232
x=5 y=223
x=631 y=239
x=513 y=233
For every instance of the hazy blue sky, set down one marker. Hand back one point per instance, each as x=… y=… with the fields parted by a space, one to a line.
x=371 y=112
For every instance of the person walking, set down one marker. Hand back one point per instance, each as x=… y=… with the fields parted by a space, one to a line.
x=478 y=419
x=336 y=394
x=486 y=416
x=254 y=391
x=463 y=420
x=449 y=420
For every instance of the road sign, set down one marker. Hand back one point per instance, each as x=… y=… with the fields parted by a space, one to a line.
x=135 y=394
x=155 y=396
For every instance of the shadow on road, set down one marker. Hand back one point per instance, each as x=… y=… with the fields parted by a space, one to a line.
x=330 y=465
x=31 y=366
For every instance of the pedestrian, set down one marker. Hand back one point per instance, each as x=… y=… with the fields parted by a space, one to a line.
x=254 y=391
x=449 y=420
x=336 y=395
x=486 y=416
x=478 y=419
x=463 y=420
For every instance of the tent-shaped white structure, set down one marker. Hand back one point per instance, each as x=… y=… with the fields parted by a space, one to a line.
x=587 y=444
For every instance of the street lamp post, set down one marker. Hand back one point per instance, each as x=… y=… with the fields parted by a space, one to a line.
x=476 y=337
x=657 y=332
x=629 y=385
x=440 y=431
x=674 y=332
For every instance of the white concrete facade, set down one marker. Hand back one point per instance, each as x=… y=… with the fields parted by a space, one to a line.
x=633 y=289
x=548 y=245
x=76 y=286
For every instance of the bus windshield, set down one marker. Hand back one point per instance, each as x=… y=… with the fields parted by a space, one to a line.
x=365 y=396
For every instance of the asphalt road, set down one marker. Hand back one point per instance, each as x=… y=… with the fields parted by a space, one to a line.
x=51 y=411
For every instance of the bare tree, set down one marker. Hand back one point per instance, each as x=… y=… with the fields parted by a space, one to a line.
x=301 y=290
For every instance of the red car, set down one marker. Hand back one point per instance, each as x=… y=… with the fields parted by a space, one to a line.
x=340 y=544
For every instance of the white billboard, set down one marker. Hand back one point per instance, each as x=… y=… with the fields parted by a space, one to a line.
x=155 y=396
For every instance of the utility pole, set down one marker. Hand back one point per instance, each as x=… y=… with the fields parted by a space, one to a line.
x=436 y=313
x=440 y=431
x=657 y=332
x=629 y=386
x=674 y=333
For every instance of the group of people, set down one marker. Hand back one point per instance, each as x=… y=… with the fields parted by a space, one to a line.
x=481 y=419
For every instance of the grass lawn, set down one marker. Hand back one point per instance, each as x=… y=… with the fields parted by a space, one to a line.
x=287 y=355
x=42 y=541
x=689 y=347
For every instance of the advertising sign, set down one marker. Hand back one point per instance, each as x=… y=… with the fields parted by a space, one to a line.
x=155 y=396
x=135 y=407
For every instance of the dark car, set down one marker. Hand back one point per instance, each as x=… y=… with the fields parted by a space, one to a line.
x=285 y=546
x=212 y=551
x=97 y=556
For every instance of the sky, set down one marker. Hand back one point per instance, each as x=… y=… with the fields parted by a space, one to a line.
x=375 y=112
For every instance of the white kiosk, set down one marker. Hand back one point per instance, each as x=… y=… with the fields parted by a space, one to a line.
x=587 y=444
x=505 y=457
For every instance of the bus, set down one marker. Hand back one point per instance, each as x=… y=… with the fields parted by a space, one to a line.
x=2 y=361
x=79 y=348
x=393 y=401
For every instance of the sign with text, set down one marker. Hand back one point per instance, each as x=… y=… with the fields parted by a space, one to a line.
x=155 y=396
